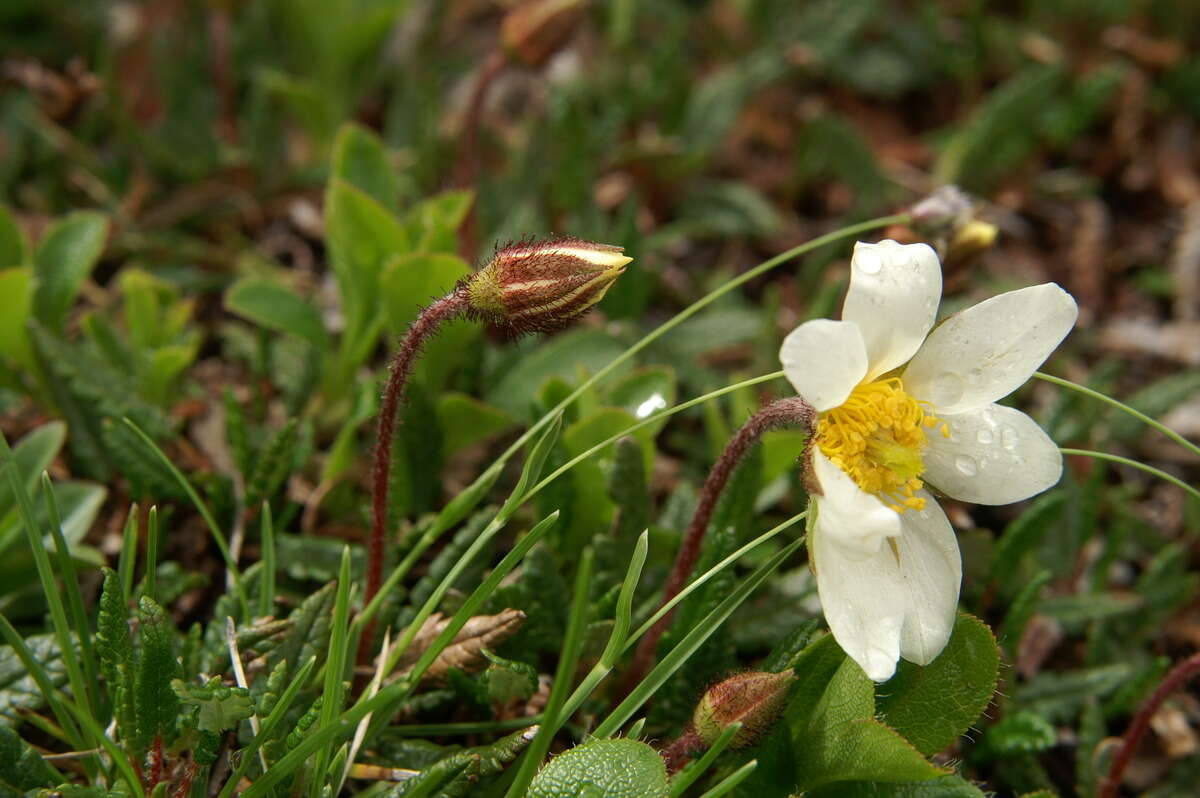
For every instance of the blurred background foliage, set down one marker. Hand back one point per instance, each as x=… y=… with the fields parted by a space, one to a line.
x=218 y=215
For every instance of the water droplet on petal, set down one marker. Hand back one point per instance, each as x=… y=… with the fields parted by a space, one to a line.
x=1009 y=437
x=985 y=436
x=947 y=388
x=966 y=465
x=868 y=261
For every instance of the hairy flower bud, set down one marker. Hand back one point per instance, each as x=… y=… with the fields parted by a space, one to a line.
x=536 y=29
x=541 y=286
x=754 y=699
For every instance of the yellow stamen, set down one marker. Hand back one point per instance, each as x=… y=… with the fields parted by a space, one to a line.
x=877 y=436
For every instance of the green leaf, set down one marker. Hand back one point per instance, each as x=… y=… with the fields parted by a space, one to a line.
x=464 y=773
x=433 y=222
x=32 y=455
x=563 y=356
x=942 y=787
x=1060 y=694
x=933 y=705
x=275 y=306
x=13 y=249
x=18 y=689
x=465 y=421
x=114 y=645
x=21 y=767
x=64 y=258
x=645 y=391
x=155 y=704
x=831 y=734
x=362 y=160
x=221 y=707
x=362 y=236
x=309 y=630
x=616 y=768
x=412 y=280
x=1001 y=132
x=16 y=303
x=1019 y=732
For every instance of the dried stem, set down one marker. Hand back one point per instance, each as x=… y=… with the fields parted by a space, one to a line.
x=1178 y=676
x=422 y=328
x=783 y=413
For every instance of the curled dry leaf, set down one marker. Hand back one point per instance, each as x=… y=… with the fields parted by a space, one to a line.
x=478 y=633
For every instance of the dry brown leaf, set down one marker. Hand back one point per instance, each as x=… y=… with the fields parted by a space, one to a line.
x=1177 y=341
x=478 y=633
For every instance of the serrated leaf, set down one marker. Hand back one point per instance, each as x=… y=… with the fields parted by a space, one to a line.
x=21 y=767
x=309 y=630
x=221 y=707
x=64 y=258
x=932 y=706
x=114 y=645
x=155 y=704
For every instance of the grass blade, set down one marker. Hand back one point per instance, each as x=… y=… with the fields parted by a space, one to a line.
x=41 y=559
x=235 y=579
x=79 y=618
x=692 y=641
x=152 y=554
x=569 y=658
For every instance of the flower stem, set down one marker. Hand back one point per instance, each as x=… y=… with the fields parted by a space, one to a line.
x=419 y=332
x=1116 y=458
x=1178 y=676
x=1140 y=416
x=680 y=751
x=793 y=411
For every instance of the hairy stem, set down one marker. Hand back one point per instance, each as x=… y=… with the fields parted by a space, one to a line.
x=419 y=332
x=680 y=751
x=1178 y=676
x=794 y=411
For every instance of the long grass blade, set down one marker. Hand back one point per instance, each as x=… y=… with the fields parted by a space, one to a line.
x=567 y=661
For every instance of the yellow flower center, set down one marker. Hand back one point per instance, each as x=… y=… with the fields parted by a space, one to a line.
x=877 y=436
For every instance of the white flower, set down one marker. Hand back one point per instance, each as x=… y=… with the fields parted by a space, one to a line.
x=902 y=406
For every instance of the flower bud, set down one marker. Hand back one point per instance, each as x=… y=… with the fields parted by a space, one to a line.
x=969 y=240
x=541 y=286
x=754 y=699
x=536 y=29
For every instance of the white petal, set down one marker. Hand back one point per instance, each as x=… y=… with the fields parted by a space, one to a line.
x=985 y=352
x=931 y=570
x=863 y=600
x=893 y=298
x=994 y=455
x=856 y=521
x=824 y=360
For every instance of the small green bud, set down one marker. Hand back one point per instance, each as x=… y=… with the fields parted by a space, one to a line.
x=541 y=286
x=754 y=699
